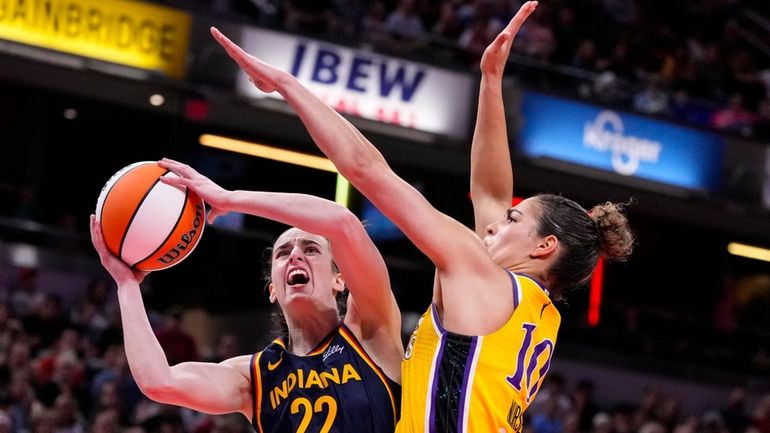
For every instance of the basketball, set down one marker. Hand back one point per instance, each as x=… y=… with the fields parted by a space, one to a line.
x=146 y=223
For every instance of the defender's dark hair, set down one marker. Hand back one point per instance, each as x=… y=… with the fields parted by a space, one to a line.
x=584 y=236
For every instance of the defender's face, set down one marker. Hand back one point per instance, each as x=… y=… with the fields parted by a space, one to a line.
x=302 y=270
x=510 y=239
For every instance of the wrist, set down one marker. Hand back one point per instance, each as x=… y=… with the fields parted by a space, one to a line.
x=491 y=84
x=230 y=199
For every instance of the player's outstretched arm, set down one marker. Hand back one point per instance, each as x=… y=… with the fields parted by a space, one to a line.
x=363 y=165
x=491 y=170
x=360 y=263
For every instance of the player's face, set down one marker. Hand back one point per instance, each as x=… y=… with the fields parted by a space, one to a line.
x=302 y=271
x=510 y=239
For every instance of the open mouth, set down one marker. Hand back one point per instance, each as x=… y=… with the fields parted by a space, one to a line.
x=297 y=277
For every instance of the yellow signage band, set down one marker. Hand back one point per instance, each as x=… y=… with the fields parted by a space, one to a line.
x=130 y=33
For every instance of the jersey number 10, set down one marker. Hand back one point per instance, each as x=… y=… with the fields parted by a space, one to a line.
x=531 y=359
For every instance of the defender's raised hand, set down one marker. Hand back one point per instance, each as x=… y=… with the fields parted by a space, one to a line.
x=264 y=76
x=496 y=54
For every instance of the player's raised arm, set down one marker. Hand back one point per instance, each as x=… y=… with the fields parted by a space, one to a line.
x=363 y=165
x=206 y=387
x=491 y=170
x=359 y=261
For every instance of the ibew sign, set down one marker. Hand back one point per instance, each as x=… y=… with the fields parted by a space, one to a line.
x=366 y=84
x=624 y=143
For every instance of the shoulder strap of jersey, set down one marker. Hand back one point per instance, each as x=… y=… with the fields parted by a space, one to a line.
x=517 y=292
x=256 y=391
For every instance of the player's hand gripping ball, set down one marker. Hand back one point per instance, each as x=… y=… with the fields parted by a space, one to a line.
x=148 y=224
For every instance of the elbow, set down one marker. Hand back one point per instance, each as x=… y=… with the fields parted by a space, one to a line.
x=356 y=173
x=156 y=387
x=365 y=173
x=358 y=161
x=158 y=392
x=344 y=224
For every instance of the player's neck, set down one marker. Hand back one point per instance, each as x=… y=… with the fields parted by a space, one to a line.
x=306 y=334
x=537 y=273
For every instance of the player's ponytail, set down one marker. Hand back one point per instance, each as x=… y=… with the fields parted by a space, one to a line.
x=616 y=241
x=583 y=237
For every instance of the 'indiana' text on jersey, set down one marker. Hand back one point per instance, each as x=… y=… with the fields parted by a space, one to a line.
x=479 y=384
x=336 y=388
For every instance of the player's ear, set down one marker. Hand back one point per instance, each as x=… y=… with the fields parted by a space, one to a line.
x=338 y=286
x=271 y=290
x=546 y=247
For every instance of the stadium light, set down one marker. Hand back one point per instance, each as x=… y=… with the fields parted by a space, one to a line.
x=748 y=251
x=342 y=190
x=268 y=152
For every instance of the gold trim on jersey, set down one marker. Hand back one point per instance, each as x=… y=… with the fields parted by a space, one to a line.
x=322 y=346
x=434 y=365
x=256 y=371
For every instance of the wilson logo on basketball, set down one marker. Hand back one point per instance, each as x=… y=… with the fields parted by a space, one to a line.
x=184 y=240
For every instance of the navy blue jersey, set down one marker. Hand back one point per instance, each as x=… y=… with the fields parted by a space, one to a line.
x=336 y=388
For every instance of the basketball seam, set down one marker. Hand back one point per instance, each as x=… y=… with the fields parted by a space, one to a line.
x=173 y=229
x=133 y=215
x=107 y=196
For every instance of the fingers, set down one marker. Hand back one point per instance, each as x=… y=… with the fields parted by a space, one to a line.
x=505 y=37
x=502 y=38
x=177 y=167
x=524 y=12
x=179 y=182
x=96 y=231
x=232 y=49
x=139 y=275
x=168 y=161
x=260 y=73
x=96 y=237
x=218 y=36
x=92 y=225
x=213 y=214
x=185 y=173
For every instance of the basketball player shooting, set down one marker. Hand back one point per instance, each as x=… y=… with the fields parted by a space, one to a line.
x=483 y=347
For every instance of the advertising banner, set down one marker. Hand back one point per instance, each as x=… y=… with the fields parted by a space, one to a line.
x=140 y=35
x=366 y=84
x=619 y=142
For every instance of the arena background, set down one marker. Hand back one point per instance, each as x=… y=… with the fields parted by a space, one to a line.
x=683 y=316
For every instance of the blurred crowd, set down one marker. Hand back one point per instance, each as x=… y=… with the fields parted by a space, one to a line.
x=63 y=368
x=562 y=409
x=705 y=63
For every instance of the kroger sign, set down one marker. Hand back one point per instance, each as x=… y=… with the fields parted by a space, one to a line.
x=623 y=143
